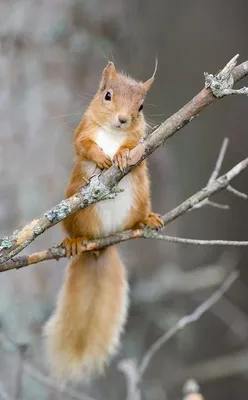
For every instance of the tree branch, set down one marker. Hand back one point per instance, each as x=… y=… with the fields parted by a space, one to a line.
x=237 y=192
x=200 y=242
x=215 y=186
x=219 y=161
x=104 y=186
x=213 y=176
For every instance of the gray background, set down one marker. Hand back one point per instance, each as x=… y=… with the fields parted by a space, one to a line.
x=51 y=57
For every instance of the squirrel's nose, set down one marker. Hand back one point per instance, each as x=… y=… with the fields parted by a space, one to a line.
x=122 y=119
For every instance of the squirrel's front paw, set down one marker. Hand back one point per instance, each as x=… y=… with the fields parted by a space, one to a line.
x=121 y=158
x=73 y=246
x=102 y=160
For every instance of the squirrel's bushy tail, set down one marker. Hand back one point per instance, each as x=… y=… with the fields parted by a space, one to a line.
x=91 y=310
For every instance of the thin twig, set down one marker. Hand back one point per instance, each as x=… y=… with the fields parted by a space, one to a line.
x=219 y=184
x=217 y=205
x=237 y=192
x=199 y=242
x=104 y=186
x=214 y=176
x=219 y=161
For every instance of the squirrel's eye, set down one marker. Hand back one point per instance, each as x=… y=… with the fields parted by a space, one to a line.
x=108 y=96
x=141 y=107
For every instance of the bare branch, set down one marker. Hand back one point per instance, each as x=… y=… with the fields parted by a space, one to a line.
x=237 y=192
x=219 y=161
x=222 y=83
x=217 y=185
x=214 y=176
x=57 y=252
x=217 y=205
x=199 y=242
x=104 y=186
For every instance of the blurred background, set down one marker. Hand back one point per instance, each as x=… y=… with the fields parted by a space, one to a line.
x=51 y=57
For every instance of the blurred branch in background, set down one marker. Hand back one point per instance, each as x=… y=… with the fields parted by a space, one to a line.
x=134 y=373
x=104 y=186
x=196 y=201
x=191 y=390
x=214 y=176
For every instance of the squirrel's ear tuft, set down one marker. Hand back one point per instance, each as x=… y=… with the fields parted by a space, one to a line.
x=145 y=86
x=109 y=72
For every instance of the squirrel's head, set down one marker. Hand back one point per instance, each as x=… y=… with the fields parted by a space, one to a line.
x=119 y=101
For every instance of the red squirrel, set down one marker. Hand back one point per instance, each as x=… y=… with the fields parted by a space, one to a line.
x=84 y=331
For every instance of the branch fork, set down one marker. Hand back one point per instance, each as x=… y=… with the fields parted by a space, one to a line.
x=222 y=83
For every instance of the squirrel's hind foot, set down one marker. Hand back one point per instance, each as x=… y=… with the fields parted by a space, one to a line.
x=153 y=220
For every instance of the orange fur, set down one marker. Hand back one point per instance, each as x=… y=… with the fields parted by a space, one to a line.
x=88 y=321
x=91 y=310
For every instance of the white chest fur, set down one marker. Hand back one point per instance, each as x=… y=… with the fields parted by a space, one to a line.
x=114 y=212
x=110 y=141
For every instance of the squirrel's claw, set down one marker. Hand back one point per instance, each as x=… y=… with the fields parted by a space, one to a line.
x=121 y=159
x=104 y=162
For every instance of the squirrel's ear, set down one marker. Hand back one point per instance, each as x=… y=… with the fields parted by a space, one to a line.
x=145 y=86
x=109 y=72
